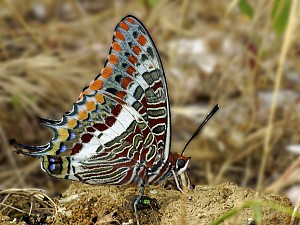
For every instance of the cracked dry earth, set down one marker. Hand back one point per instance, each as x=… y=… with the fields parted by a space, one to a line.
x=87 y=204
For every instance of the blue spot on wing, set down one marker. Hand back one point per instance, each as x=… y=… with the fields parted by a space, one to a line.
x=62 y=149
x=52 y=167
x=72 y=136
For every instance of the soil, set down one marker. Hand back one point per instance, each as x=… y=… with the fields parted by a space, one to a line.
x=88 y=204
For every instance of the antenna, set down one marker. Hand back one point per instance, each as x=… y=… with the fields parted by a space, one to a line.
x=209 y=115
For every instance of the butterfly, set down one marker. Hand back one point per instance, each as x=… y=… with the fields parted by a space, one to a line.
x=119 y=130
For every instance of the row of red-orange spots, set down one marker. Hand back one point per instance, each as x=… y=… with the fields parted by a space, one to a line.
x=98 y=84
x=90 y=106
x=113 y=59
x=124 y=25
x=94 y=86
x=141 y=39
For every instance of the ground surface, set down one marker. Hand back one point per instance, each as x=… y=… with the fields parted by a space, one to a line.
x=86 y=204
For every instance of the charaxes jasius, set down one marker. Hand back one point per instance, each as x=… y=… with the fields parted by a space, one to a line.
x=119 y=130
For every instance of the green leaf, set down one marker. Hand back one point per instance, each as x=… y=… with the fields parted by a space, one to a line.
x=280 y=15
x=246 y=8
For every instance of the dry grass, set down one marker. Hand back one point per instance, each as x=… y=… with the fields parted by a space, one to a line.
x=212 y=53
x=16 y=203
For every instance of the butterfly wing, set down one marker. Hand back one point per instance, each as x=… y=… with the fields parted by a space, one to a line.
x=120 y=124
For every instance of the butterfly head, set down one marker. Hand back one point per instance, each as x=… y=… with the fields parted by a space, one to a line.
x=180 y=163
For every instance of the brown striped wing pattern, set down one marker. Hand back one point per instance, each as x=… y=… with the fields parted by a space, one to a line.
x=119 y=128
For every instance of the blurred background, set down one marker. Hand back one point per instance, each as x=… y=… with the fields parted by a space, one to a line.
x=241 y=54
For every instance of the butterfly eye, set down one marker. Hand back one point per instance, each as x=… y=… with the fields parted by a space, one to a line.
x=180 y=164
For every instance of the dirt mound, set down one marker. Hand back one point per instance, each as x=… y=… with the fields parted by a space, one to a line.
x=86 y=204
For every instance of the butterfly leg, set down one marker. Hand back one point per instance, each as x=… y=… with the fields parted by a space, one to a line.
x=178 y=185
x=186 y=181
x=136 y=202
